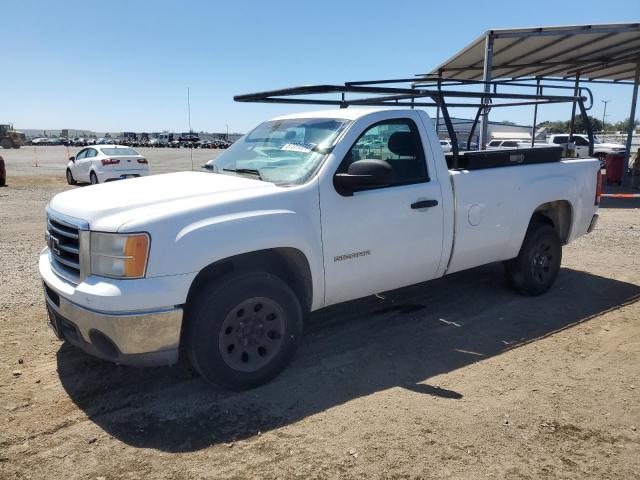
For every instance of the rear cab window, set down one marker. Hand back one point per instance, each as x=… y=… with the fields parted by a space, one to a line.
x=119 y=152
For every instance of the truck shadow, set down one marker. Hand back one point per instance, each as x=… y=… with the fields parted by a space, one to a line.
x=348 y=351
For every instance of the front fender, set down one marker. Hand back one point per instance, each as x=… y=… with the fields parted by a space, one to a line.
x=206 y=241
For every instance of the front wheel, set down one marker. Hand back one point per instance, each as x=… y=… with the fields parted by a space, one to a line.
x=93 y=178
x=536 y=267
x=6 y=143
x=243 y=329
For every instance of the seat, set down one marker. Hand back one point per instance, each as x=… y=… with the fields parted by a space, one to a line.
x=411 y=168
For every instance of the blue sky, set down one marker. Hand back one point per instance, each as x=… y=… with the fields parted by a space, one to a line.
x=125 y=65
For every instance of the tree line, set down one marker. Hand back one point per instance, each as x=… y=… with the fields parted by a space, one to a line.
x=560 y=126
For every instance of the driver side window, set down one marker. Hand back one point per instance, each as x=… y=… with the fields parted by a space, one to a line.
x=396 y=142
x=82 y=154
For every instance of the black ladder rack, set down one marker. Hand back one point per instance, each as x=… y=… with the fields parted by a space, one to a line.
x=426 y=91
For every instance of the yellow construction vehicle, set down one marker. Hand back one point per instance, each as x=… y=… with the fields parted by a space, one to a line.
x=10 y=138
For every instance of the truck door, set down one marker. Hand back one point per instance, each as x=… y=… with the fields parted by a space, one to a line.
x=388 y=237
x=582 y=146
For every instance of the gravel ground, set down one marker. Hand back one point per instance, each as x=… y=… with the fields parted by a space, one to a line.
x=457 y=378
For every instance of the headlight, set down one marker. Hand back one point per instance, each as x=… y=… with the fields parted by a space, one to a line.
x=119 y=256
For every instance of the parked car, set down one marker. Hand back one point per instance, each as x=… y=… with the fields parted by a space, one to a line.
x=446 y=145
x=507 y=144
x=3 y=173
x=581 y=145
x=462 y=146
x=225 y=264
x=103 y=163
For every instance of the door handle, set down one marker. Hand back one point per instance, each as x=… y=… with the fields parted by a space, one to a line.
x=424 y=204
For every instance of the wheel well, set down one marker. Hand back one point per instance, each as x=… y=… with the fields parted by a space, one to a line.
x=557 y=214
x=289 y=264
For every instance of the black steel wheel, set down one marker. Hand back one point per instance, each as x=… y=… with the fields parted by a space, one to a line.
x=242 y=330
x=536 y=267
x=93 y=178
x=252 y=334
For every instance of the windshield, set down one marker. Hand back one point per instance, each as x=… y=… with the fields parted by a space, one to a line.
x=596 y=140
x=281 y=151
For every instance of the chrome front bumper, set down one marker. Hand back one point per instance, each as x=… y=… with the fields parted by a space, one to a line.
x=148 y=338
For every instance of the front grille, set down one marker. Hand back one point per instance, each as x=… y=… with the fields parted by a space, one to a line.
x=63 y=240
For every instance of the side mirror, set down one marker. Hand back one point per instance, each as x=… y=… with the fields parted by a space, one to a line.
x=363 y=174
x=207 y=166
x=73 y=159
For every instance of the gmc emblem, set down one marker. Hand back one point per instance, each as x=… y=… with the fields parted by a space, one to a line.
x=54 y=245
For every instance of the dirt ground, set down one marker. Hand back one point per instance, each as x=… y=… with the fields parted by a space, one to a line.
x=457 y=378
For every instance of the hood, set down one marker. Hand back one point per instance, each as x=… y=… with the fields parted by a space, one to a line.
x=111 y=205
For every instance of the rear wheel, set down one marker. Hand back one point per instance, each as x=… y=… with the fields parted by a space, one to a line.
x=243 y=329
x=93 y=178
x=6 y=143
x=536 y=267
x=70 y=179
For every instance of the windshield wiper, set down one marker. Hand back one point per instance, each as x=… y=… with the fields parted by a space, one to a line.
x=249 y=171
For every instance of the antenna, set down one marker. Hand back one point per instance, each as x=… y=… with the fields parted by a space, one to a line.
x=190 y=130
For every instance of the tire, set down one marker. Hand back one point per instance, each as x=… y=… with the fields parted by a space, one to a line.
x=6 y=143
x=93 y=178
x=70 y=179
x=243 y=330
x=536 y=267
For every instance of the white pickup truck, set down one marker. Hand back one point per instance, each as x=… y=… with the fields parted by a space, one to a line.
x=581 y=143
x=305 y=211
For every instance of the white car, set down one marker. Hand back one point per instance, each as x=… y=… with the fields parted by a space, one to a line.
x=102 y=163
x=446 y=145
x=507 y=144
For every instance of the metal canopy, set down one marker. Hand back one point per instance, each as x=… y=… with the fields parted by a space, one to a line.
x=596 y=52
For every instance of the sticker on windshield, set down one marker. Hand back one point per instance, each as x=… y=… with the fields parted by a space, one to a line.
x=298 y=147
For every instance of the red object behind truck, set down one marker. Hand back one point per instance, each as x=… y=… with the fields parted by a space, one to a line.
x=614 y=163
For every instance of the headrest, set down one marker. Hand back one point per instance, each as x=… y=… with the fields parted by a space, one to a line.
x=402 y=144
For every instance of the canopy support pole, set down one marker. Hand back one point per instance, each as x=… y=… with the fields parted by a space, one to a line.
x=535 y=115
x=438 y=107
x=486 y=77
x=576 y=90
x=632 y=120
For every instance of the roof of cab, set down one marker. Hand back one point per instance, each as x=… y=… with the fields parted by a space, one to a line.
x=346 y=113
